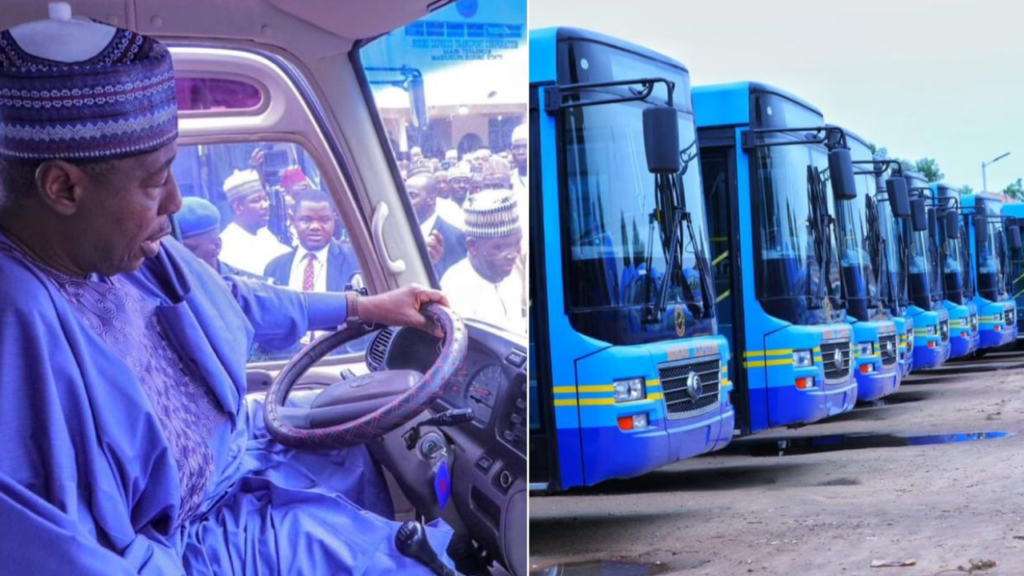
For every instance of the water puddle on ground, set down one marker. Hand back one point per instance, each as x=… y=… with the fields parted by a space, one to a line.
x=602 y=568
x=816 y=444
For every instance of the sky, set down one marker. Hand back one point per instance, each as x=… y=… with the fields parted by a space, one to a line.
x=923 y=78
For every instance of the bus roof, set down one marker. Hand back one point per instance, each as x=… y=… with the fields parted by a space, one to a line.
x=729 y=104
x=544 y=44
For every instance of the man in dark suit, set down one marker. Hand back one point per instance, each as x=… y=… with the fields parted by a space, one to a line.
x=446 y=243
x=319 y=263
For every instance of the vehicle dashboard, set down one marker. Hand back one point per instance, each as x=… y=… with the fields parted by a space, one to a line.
x=486 y=457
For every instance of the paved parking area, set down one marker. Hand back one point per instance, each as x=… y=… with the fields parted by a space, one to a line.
x=912 y=479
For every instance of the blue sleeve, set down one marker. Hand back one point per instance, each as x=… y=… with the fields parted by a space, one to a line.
x=280 y=316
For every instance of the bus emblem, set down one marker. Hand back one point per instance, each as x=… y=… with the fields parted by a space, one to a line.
x=693 y=386
x=680 y=321
x=837 y=357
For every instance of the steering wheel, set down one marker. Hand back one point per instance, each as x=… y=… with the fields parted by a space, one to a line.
x=333 y=424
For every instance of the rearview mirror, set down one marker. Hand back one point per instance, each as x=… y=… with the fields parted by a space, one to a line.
x=980 y=228
x=661 y=140
x=918 y=215
x=899 y=197
x=418 y=102
x=840 y=168
x=1014 y=235
x=952 y=220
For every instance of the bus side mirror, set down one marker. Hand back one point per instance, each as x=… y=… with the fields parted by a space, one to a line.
x=899 y=197
x=1014 y=236
x=418 y=102
x=952 y=220
x=661 y=140
x=980 y=228
x=840 y=168
x=918 y=215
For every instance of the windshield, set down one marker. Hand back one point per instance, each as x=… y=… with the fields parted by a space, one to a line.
x=893 y=253
x=992 y=254
x=955 y=266
x=925 y=288
x=1016 y=274
x=855 y=243
x=795 y=251
x=617 y=241
x=611 y=201
x=450 y=90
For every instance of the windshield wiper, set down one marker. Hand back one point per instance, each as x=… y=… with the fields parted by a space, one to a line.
x=670 y=213
x=816 y=224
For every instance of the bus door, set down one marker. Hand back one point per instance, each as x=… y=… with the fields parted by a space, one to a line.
x=718 y=165
x=543 y=458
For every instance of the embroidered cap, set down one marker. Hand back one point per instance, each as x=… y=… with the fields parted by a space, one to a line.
x=197 y=216
x=241 y=184
x=492 y=214
x=114 y=104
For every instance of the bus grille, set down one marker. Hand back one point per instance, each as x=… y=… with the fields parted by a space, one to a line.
x=944 y=330
x=1009 y=317
x=889 y=349
x=837 y=358
x=679 y=400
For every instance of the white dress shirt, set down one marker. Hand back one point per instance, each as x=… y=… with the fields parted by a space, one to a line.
x=427 y=226
x=250 y=252
x=298 y=271
x=451 y=212
x=502 y=304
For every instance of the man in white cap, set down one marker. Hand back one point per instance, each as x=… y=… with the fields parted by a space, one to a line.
x=129 y=445
x=248 y=243
x=488 y=285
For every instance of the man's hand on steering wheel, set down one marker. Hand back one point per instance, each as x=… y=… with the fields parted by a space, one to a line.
x=402 y=307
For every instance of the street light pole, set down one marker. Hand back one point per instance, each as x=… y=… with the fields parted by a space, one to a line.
x=984 y=181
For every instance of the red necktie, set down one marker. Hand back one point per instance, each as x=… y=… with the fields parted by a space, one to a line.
x=307 y=274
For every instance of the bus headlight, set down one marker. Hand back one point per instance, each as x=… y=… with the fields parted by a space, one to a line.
x=997 y=317
x=803 y=358
x=629 y=390
x=866 y=348
x=930 y=330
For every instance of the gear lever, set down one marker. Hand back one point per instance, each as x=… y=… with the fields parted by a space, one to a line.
x=411 y=541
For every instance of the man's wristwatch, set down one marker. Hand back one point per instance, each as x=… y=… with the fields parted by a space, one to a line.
x=353 y=307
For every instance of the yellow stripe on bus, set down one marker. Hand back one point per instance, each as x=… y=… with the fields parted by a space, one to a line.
x=597 y=388
x=597 y=401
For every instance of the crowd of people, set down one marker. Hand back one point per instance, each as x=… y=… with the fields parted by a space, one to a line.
x=472 y=212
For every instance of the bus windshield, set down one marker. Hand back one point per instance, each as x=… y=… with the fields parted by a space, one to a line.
x=893 y=250
x=855 y=244
x=796 y=271
x=925 y=288
x=613 y=242
x=955 y=267
x=992 y=254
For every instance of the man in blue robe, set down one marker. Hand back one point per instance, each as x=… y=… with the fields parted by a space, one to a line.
x=128 y=444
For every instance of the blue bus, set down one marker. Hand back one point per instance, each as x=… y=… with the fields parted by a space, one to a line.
x=765 y=159
x=958 y=283
x=931 y=318
x=627 y=372
x=997 y=310
x=876 y=353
